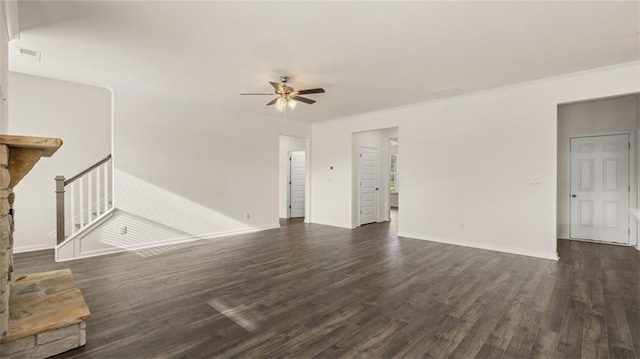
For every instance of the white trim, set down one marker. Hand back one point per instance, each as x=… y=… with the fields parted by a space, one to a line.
x=89 y=228
x=632 y=183
x=32 y=248
x=113 y=147
x=288 y=183
x=542 y=81
x=307 y=184
x=12 y=19
x=307 y=174
x=438 y=240
x=68 y=220
x=359 y=184
x=334 y=225
x=289 y=205
x=637 y=173
x=601 y=242
x=562 y=236
x=115 y=249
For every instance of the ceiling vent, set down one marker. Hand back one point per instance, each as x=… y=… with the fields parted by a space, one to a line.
x=29 y=54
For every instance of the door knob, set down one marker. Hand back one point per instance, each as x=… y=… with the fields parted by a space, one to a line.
x=574 y=196
x=377 y=189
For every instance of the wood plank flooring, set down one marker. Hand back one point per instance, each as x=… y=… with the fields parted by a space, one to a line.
x=312 y=291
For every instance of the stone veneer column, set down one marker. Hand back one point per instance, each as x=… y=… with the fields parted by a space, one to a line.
x=6 y=240
x=18 y=155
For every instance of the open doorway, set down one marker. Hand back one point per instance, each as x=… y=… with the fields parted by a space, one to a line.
x=371 y=176
x=394 y=180
x=296 y=173
x=597 y=170
x=293 y=179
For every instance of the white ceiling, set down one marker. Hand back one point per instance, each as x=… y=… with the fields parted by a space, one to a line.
x=368 y=56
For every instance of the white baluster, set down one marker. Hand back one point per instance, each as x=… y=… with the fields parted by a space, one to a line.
x=107 y=183
x=98 y=192
x=72 y=194
x=89 y=197
x=81 y=184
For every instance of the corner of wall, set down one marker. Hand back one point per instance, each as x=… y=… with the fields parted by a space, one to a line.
x=4 y=72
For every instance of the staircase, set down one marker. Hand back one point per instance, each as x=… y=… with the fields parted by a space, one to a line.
x=83 y=201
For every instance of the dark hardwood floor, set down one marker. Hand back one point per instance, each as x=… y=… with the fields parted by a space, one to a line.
x=309 y=291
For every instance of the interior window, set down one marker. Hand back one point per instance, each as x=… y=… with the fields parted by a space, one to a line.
x=394 y=174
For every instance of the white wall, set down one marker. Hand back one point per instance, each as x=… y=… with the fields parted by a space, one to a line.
x=4 y=71
x=377 y=139
x=467 y=162
x=152 y=216
x=187 y=170
x=586 y=118
x=78 y=114
x=287 y=144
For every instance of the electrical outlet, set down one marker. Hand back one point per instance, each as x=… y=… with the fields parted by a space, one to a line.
x=247 y=216
x=123 y=230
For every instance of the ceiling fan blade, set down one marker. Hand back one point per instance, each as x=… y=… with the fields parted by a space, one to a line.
x=278 y=87
x=309 y=91
x=272 y=102
x=256 y=94
x=303 y=99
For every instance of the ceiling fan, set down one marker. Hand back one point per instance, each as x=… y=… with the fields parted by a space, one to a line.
x=287 y=96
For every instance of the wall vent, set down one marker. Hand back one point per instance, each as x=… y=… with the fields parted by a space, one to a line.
x=30 y=54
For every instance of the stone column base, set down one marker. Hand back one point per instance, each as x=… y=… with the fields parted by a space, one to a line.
x=47 y=316
x=46 y=344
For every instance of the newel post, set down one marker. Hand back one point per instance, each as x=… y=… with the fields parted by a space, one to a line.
x=60 y=209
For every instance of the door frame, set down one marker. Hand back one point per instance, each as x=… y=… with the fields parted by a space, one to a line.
x=360 y=181
x=307 y=190
x=633 y=196
x=289 y=181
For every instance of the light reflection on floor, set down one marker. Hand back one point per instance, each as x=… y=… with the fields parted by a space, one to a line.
x=238 y=314
x=154 y=251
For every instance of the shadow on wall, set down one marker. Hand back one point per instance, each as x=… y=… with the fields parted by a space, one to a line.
x=148 y=216
x=145 y=237
x=150 y=202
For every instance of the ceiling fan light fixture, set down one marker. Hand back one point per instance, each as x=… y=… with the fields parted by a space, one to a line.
x=281 y=103
x=292 y=104
x=286 y=95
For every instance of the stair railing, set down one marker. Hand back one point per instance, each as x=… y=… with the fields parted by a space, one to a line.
x=90 y=198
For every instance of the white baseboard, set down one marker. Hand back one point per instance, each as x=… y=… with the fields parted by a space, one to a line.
x=32 y=248
x=332 y=225
x=115 y=249
x=562 y=236
x=431 y=239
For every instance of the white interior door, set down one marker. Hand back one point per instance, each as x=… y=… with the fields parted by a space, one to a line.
x=297 y=171
x=368 y=185
x=600 y=188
